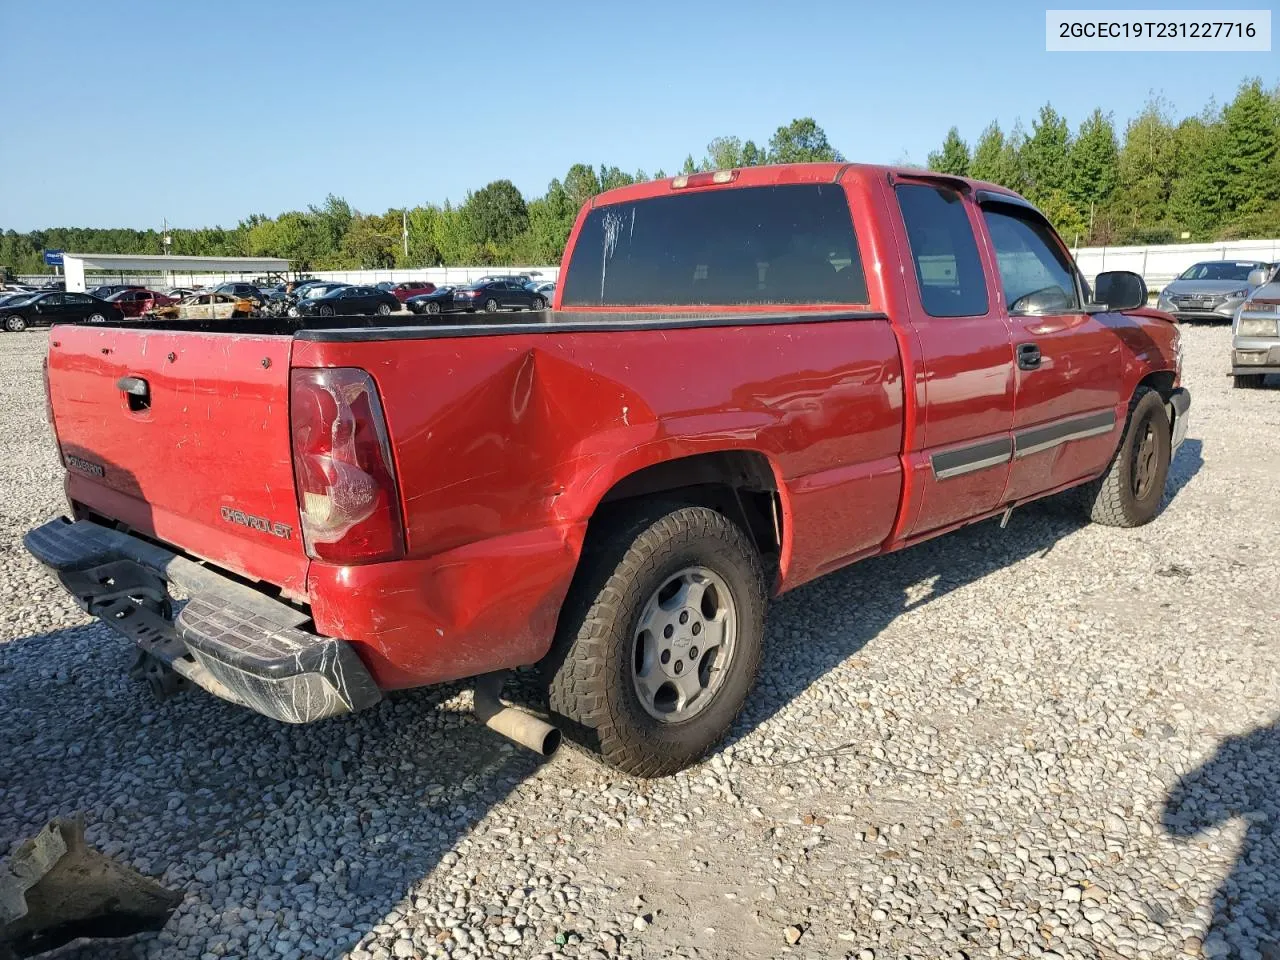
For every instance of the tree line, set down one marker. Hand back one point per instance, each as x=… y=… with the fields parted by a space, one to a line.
x=1211 y=176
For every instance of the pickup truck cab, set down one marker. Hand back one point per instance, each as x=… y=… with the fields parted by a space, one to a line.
x=749 y=378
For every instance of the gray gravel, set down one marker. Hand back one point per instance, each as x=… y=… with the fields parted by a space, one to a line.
x=1051 y=741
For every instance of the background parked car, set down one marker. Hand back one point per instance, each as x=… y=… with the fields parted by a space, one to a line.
x=45 y=309
x=347 y=301
x=246 y=291
x=410 y=288
x=207 y=305
x=111 y=289
x=1255 y=334
x=1210 y=290
x=134 y=303
x=439 y=300
x=16 y=296
x=312 y=290
x=497 y=295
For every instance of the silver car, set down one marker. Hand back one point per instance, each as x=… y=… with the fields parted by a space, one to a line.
x=1255 y=334
x=1212 y=290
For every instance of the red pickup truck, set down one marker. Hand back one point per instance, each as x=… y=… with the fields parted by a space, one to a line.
x=749 y=378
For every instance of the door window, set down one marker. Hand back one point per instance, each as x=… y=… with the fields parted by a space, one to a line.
x=1037 y=275
x=944 y=251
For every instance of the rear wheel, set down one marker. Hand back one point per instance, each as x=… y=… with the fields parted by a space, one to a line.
x=1129 y=493
x=1248 y=381
x=491 y=306
x=384 y=309
x=96 y=318
x=15 y=324
x=660 y=638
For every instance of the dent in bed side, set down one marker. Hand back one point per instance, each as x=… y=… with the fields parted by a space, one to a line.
x=524 y=435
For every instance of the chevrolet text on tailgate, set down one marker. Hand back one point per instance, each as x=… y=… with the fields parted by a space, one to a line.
x=749 y=378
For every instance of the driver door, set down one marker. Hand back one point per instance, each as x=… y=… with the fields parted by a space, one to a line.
x=1068 y=408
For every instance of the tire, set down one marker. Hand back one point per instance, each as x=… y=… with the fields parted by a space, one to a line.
x=592 y=672
x=538 y=304
x=15 y=324
x=96 y=318
x=326 y=311
x=384 y=309
x=1128 y=494
x=491 y=306
x=433 y=307
x=1249 y=381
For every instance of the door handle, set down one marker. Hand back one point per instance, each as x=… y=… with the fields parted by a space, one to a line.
x=1028 y=356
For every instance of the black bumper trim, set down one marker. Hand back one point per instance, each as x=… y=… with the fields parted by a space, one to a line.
x=235 y=642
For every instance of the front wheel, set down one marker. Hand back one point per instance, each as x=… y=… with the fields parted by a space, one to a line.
x=15 y=324
x=1129 y=493
x=326 y=311
x=433 y=307
x=1248 y=381
x=660 y=638
x=538 y=304
x=97 y=318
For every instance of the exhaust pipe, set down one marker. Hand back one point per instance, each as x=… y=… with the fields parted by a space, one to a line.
x=527 y=730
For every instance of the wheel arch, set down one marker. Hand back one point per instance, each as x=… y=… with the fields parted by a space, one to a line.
x=744 y=484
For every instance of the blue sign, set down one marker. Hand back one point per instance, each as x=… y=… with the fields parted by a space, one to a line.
x=53 y=258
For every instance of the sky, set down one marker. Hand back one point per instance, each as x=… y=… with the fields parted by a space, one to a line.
x=127 y=112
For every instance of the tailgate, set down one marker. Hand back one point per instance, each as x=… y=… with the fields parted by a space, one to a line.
x=185 y=437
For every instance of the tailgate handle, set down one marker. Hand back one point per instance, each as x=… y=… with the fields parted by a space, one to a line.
x=137 y=392
x=134 y=386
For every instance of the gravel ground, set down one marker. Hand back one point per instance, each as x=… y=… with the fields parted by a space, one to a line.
x=1055 y=740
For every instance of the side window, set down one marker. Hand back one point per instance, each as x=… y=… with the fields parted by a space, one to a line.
x=79 y=298
x=1037 y=275
x=944 y=251
x=53 y=300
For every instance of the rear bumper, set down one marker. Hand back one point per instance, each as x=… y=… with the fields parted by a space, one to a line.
x=228 y=638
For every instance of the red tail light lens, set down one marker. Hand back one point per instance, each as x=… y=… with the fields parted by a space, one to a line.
x=347 y=494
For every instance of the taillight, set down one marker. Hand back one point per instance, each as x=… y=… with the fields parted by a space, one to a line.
x=347 y=495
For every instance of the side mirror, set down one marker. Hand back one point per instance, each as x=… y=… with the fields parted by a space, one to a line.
x=1121 y=290
x=1257 y=278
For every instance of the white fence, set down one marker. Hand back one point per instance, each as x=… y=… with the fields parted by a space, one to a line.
x=1160 y=264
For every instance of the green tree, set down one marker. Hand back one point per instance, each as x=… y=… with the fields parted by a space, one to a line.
x=371 y=242
x=495 y=215
x=953 y=158
x=611 y=177
x=581 y=184
x=997 y=158
x=1250 y=143
x=1147 y=165
x=1094 y=170
x=801 y=141
x=1044 y=157
x=1197 y=200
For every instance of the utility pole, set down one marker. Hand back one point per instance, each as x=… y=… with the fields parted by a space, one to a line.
x=404 y=225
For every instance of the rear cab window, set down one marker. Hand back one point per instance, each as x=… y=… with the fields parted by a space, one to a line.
x=943 y=250
x=744 y=246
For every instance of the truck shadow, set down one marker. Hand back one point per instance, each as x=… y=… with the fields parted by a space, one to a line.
x=1238 y=781
x=267 y=826
x=801 y=646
